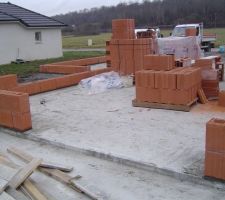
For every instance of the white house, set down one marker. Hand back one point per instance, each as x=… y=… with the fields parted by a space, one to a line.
x=27 y=35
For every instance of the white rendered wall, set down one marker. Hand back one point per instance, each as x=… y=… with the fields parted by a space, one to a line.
x=17 y=41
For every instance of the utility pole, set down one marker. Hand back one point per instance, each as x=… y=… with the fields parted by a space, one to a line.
x=215 y=20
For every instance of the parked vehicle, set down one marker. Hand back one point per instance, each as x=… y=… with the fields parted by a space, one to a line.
x=147 y=32
x=207 y=41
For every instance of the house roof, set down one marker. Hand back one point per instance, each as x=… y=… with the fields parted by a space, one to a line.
x=12 y=12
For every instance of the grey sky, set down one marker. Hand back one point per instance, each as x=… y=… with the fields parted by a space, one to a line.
x=53 y=7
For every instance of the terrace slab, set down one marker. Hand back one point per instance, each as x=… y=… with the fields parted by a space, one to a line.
x=106 y=125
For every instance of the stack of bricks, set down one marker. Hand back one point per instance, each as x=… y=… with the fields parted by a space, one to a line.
x=123 y=29
x=215 y=149
x=162 y=83
x=210 y=79
x=190 y=32
x=221 y=101
x=125 y=53
x=15 y=110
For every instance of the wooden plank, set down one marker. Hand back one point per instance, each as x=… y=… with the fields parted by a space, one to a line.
x=16 y=194
x=30 y=188
x=5 y=196
x=4 y=160
x=202 y=96
x=56 y=174
x=185 y=108
x=27 y=158
x=7 y=173
x=3 y=185
x=24 y=173
x=84 y=190
x=69 y=181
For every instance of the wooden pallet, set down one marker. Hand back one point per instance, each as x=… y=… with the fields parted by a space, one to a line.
x=185 y=108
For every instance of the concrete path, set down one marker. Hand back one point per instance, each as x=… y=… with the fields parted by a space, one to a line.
x=108 y=180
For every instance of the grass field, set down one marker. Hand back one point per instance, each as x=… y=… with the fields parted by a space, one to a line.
x=99 y=40
x=82 y=41
x=33 y=66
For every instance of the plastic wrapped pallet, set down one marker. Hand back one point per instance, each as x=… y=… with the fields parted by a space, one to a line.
x=181 y=47
x=209 y=74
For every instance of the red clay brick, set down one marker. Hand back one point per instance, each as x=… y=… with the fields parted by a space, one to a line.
x=6 y=119
x=47 y=85
x=22 y=121
x=159 y=62
x=215 y=165
x=8 y=81
x=215 y=135
x=221 y=101
x=141 y=94
x=15 y=102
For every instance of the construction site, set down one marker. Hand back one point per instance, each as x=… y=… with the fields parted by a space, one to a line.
x=145 y=121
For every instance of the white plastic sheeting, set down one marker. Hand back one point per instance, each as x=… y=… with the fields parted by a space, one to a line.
x=181 y=47
x=102 y=82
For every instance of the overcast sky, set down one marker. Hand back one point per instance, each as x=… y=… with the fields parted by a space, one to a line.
x=53 y=7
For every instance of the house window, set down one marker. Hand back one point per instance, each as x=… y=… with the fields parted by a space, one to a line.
x=38 y=36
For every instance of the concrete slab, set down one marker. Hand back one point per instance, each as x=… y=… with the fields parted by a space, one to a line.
x=106 y=125
x=109 y=180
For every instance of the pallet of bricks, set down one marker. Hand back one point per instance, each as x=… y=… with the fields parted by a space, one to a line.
x=163 y=85
x=125 y=53
x=210 y=76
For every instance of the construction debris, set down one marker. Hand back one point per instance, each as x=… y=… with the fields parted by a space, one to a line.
x=13 y=177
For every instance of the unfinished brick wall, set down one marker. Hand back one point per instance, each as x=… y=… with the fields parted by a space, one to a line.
x=14 y=97
x=73 y=66
x=15 y=110
x=63 y=69
x=215 y=149
x=8 y=81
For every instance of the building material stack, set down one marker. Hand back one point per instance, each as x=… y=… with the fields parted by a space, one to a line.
x=210 y=76
x=125 y=53
x=161 y=82
x=221 y=101
x=215 y=149
x=190 y=32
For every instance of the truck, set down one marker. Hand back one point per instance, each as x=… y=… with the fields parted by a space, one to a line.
x=144 y=32
x=206 y=41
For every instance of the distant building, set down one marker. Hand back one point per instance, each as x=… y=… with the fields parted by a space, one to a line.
x=27 y=35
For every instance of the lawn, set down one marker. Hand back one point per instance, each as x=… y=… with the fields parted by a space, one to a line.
x=99 y=40
x=82 y=41
x=33 y=66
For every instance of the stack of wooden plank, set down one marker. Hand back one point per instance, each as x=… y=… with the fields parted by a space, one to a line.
x=16 y=183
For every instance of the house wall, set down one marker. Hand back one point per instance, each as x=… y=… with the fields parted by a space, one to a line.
x=17 y=41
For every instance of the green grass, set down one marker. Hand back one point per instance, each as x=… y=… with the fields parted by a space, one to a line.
x=33 y=66
x=220 y=35
x=99 y=40
x=82 y=41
